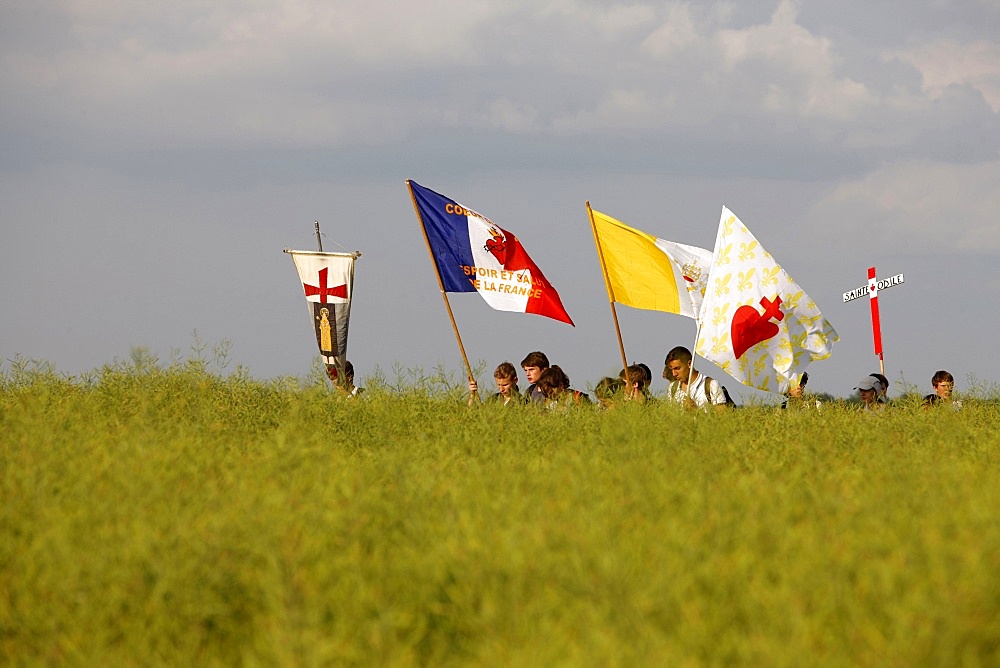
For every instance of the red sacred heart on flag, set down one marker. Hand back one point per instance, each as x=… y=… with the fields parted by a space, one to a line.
x=497 y=246
x=749 y=327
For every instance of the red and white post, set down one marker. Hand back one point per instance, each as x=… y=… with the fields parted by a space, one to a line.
x=876 y=323
x=872 y=290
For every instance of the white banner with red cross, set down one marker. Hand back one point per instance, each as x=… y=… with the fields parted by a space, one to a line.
x=328 y=282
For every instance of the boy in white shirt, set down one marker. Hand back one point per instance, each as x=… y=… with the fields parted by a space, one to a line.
x=690 y=388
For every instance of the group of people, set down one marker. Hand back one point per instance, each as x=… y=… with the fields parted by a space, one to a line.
x=550 y=386
x=874 y=388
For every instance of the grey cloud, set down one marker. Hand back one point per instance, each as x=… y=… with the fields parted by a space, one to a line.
x=920 y=207
x=295 y=76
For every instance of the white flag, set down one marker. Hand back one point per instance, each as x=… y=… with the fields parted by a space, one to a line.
x=757 y=324
x=328 y=282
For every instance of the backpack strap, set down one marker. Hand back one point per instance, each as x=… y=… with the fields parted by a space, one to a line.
x=708 y=389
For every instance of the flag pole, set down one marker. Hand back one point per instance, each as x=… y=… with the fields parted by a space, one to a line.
x=694 y=355
x=607 y=285
x=337 y=366
x=444 y=295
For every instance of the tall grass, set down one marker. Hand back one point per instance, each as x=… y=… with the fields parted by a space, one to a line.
x=181 y=516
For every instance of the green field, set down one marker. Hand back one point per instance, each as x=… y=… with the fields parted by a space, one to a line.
x=177 y=515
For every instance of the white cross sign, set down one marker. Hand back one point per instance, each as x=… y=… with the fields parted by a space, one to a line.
x=858 y=293
x=871 y=290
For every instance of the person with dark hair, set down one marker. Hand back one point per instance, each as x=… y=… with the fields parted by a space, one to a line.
x=534 y=364
x=883 y=396
x=648 y=373
x=944 y=384
x=690 y=388
x=554 y=386
x=635 y=383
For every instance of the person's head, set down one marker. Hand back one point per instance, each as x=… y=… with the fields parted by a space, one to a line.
x=633 y=379
x=349 y=373
x=944 y=384
x=505 y=376
x=647 y=373
x=552 y=382
x=885 y=384
x=534 y=364
x=869 y=387
x=608 y=390
x=677 y=365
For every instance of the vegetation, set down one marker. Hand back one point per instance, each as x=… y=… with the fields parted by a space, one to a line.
x=178 y=515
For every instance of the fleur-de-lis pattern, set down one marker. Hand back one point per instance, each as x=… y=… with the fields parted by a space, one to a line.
x=746 y=251
x=720 y=314
x=769 y=277
x=722 y=285
x=749 y=275
x=744 y=282
x=720 y=343
x=723 y=255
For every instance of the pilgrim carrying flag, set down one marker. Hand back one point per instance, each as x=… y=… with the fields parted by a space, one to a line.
x=474 y=255
x=328 y=281
x=756 y=323
x=643 y=271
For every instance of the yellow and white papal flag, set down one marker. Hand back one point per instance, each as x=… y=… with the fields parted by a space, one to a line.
x=643 y=271
x=756 y=323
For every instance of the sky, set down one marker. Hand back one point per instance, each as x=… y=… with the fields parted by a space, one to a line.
x=156 y=158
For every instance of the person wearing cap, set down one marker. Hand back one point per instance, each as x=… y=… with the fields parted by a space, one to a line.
x=870 y=388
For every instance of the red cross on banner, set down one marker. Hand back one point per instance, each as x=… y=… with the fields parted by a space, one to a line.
x=322 y=290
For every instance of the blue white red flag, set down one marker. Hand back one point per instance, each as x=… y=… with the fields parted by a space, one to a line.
x=474 y=255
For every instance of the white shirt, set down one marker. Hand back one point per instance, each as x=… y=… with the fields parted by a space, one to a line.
x=696 y=390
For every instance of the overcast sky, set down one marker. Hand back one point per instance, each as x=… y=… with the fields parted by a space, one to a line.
x=155 y=159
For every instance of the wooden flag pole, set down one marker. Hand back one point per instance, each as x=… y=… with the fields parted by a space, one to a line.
x=607 y=285
x=337 y=367
x=444 y=295
x=694 y=354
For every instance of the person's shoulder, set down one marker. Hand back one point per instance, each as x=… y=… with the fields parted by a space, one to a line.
x=715 y=390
